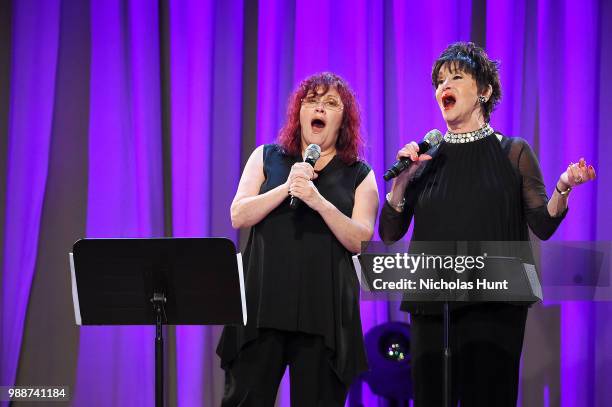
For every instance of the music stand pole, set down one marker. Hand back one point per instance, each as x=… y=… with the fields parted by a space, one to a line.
x=158 y=301
x=447 y=357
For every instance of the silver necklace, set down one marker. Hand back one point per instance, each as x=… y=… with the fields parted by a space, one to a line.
x=468 y=137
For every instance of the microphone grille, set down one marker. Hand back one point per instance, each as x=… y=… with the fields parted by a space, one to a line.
x=313 y=152
x=433 y=137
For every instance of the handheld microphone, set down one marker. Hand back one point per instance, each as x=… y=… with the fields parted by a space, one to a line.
x=431 y=139
x=312 y=154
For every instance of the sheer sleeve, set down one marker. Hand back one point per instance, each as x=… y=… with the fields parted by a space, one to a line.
x=533 y=191
x=393 y=225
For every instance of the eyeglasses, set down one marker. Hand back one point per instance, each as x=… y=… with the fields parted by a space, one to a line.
x=329 y=103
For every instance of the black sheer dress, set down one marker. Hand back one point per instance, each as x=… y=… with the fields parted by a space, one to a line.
x=490 y=189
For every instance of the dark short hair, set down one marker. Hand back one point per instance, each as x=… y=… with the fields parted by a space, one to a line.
x=349 y=145
x=470 y=58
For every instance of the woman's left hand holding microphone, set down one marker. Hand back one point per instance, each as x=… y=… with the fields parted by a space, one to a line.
x=301 y=186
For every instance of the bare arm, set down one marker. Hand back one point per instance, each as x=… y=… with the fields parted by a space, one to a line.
x=349 y=231
x=248 y=207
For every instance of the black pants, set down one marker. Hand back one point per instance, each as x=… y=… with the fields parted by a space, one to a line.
x=253 y=378
x=486 y=342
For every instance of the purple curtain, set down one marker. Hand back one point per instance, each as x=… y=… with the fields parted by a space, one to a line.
x=125 y=194
x=32 y=92
x=176 y=92
x=205 y=115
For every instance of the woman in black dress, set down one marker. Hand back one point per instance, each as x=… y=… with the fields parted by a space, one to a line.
x=302 y=291
x=480 y=186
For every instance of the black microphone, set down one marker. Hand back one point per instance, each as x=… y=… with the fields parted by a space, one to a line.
x=431 y=139
x=312 y=154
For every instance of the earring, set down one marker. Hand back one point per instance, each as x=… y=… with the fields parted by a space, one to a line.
x=482 y=100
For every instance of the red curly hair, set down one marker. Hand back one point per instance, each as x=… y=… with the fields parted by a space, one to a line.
x=349 y=145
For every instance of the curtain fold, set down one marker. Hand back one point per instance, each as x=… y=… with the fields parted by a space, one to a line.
x=116 y=364
x=32 y=92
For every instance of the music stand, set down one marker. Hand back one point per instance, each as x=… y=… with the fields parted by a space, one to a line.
x=158 y=281
x=522 y=282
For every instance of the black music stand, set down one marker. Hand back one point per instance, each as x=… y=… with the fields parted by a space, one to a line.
x=522 y=282
x=159 y=281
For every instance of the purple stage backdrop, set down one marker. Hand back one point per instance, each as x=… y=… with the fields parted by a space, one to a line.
x=134 y=118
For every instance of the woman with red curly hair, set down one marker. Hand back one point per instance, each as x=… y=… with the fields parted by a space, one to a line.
x=302 y=291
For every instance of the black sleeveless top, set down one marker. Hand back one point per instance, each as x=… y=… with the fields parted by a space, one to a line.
x=298 y=276
x=482 y=191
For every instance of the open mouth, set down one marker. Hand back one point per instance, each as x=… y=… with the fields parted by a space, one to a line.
x=317 y=125
x=448 y=101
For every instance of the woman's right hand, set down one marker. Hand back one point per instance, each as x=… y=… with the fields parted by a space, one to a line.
x=300 y=170
x=411 y=150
